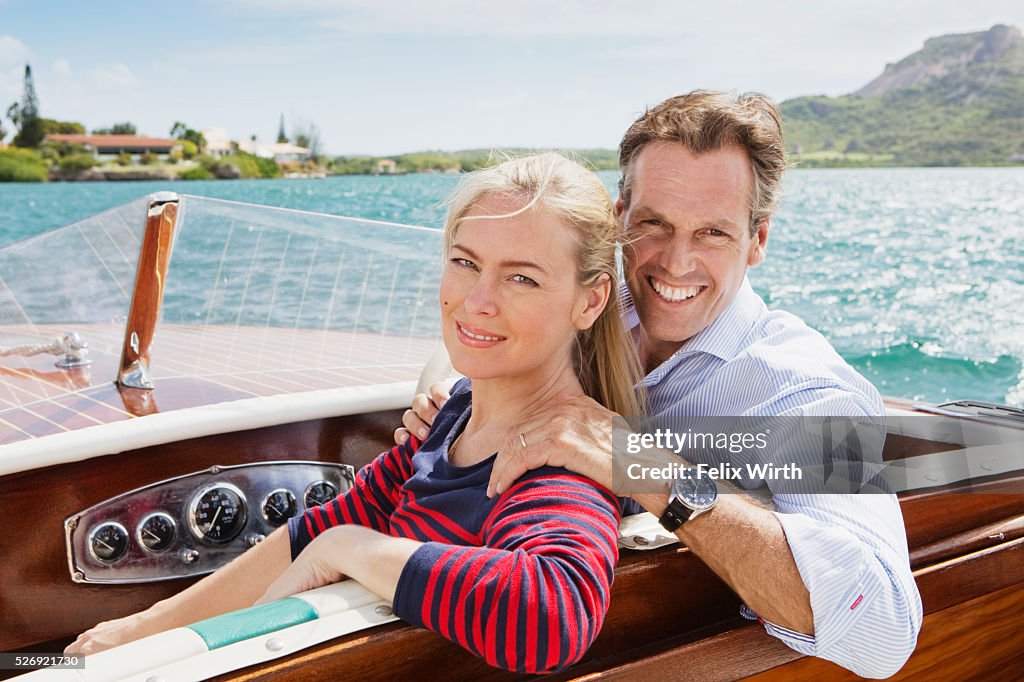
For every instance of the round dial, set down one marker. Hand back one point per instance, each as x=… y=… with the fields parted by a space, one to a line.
x=108 y=542
x=318 y=493
x=217 y=513
x=697 y=491
x=279 y=506
x=156 y=532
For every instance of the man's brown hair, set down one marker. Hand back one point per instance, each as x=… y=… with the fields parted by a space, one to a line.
x=708 y=120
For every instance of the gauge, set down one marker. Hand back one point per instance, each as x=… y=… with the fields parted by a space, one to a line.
x=157 y=531
x=279 y=506
x=318 y=493
x=217 y=513
x=108 y=542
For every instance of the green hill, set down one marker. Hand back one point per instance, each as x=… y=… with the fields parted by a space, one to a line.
x=957 y=101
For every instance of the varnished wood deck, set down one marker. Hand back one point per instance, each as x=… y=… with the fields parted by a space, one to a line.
x=191 y=366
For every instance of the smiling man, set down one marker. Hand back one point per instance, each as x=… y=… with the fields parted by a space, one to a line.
x=828 y=574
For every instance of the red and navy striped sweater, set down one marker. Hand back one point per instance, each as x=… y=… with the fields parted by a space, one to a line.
x=522 y=580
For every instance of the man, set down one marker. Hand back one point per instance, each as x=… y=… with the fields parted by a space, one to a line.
x=827 y=574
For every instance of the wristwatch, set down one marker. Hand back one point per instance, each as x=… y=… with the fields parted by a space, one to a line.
x=692 y=494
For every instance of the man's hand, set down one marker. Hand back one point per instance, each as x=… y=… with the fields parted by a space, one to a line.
x=575 y=433
x=419 y=418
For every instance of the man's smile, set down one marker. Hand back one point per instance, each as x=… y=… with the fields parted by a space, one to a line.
x=672 y=294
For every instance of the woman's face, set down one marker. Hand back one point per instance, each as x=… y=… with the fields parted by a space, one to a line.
x=510 y=302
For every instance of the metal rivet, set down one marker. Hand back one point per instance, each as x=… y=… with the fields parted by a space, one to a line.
x=78 y=576
x=383 y=610
x=155 y=678
x=931 y=477
x=639 y=540
x=986 y=467
x=274 y=644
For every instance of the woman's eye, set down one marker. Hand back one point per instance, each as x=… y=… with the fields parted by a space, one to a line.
x=464 y=262
x=523 y=279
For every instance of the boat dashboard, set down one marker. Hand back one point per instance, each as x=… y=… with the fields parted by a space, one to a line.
x=194 y=524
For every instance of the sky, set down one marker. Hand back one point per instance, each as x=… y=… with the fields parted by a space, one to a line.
x=378 y=77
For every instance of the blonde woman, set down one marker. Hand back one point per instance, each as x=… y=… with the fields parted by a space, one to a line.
x=528 y=313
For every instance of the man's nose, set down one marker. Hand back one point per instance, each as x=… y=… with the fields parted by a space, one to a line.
x=679 y=257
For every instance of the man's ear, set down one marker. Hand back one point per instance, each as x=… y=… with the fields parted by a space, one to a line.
x=592 y=302
x=759 y=244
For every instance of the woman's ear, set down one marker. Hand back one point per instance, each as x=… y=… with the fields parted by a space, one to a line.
x=592 y=302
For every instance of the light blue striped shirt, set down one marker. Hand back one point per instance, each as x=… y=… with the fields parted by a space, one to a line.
x=851 y=550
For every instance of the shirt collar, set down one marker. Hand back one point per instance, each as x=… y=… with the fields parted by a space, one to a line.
x=724 y=338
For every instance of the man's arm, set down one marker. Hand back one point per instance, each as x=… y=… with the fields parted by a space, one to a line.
x=745 y=545
x=829 y=574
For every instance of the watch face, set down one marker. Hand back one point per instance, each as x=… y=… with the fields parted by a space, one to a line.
x=695 y=491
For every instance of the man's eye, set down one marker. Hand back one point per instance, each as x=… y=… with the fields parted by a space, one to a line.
x=523 y=279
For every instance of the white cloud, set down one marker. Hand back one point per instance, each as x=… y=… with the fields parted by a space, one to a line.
x=113 y=76
x=13 y=51
x=62 y=66
x=724 y=22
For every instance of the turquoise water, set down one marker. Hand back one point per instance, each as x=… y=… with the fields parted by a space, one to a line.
x=915 y=275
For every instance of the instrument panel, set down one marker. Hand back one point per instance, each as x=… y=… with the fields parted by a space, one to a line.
x=196 y=523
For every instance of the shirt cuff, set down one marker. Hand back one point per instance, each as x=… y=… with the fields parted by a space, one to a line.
x=836 y=569
x=414 y=580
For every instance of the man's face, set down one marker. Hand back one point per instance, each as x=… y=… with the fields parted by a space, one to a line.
x=688 y=219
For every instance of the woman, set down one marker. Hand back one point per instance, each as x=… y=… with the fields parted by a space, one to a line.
x=528 y=313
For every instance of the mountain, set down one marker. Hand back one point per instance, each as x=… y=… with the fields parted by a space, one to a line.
x=959 y=100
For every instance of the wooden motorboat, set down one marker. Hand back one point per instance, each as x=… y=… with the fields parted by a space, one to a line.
x=246 y=340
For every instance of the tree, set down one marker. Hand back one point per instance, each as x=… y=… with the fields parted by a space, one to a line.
x=52 y=127
x=26 y=115
x=180 y=131
x=281 y=137
x=3 y=132
x=124 y=128
x=307 y=135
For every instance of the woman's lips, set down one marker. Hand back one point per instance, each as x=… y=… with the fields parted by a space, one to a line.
x=477 y=338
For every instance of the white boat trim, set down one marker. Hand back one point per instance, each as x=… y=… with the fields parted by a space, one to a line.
x=204 y=420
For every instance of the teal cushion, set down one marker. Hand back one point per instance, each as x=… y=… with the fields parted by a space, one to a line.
x=254 y=621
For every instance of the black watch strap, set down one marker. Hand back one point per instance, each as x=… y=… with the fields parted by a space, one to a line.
x=675 y=515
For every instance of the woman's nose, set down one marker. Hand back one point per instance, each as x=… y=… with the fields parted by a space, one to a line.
x=482 y=298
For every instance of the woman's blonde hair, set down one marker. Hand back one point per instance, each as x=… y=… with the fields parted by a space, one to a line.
x=605 y=359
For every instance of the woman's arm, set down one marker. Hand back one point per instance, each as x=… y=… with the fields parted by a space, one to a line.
x=369 y=503
x=534 y=598
x=235 y=586
x=371 y=558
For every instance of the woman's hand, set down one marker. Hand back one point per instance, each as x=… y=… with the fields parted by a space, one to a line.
x=317 y=565
x=111 y=633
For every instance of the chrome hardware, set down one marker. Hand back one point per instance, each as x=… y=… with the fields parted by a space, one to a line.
x=274 y=644
x=383 y=610
x=254 y=539
x=189 y=539
x=76 y=351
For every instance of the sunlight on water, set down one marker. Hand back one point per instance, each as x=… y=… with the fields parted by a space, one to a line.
x=915 y=275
